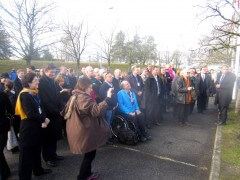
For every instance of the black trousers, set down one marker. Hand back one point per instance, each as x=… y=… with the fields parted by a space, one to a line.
x=175 y=110
x=4 y=169
x=192 y=107
x=223 y=113
x=49 y=149
x=29 y=160
x=183 y=112
x=154 y=113
x=202 y=102
x=86 y=166
x=138 y=121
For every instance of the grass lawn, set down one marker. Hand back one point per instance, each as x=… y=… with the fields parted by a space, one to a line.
x=230 y=151
x=7 y=65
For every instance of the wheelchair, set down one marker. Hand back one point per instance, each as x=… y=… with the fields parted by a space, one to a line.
x=124 y=130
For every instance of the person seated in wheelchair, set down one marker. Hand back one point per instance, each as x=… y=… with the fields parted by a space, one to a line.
x=128 y=107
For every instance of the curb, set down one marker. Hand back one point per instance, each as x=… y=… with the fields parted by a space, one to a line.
x=216 y=158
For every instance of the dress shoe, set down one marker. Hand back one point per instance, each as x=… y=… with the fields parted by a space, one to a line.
x=149 y=126
x=143 y=139
x=148 y=137
x=51 y=163
x=157 y=124
x=221 y=123
x=42 y=172
x=58 y=158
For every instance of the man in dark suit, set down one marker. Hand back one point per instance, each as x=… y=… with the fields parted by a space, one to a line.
x=72 y=79
x=136 y=83
x=117 y=80
x=224 y=85
x=17 y=84
x=63 y=72
x=203 y=86
x=154 y=93
x=51 y=102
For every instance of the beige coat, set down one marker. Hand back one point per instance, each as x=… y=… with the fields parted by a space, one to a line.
x=86 y=129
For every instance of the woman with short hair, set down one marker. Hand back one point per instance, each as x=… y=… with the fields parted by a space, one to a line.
x=29 y=109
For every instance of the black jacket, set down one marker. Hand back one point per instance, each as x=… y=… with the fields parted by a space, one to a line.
x=96 y=84
x=136 y=85
x=31 y=127
x=203 y=87
x=72 y=81
x=50 y=96
x=116 y=84
x=17 y=84
x=5 y=106
x=151 y=90
x=13 y=99
x=64 y=97
x=52 y=105
x=224 y=93
x=103 y=94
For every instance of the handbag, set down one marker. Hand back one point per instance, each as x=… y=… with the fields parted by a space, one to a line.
x=193 y=95
x=12 y=141
x=67 y=110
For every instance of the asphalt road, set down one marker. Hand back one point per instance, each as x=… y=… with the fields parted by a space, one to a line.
x=175 y=152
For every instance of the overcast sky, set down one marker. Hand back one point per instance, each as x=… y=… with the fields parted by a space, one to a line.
x=173 y=23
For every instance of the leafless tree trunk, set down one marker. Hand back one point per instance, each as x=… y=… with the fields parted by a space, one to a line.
x=106 y=47
x=28 y=24
x=74 y=41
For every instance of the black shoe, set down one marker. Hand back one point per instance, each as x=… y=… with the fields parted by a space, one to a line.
x=148 y=137
x=157 y=124
x=149 y=126
x=42 y=172
x=221 y=123
x=15 y=150
x=143 y=139
x=58 y=158
x=109 y=142
x=51 y=163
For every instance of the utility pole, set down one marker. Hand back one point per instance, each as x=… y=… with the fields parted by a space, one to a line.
x=237 y=55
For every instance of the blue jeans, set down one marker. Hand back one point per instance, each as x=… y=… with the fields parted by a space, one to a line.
x=109 y=116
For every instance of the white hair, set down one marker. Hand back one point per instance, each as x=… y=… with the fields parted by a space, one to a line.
x=96 y=70
x=102 y=71
x=88 y=68
x=116 y=71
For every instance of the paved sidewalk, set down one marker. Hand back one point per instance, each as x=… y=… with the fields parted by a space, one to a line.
x=178 y=153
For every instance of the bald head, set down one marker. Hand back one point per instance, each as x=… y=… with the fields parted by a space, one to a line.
x=126 y=85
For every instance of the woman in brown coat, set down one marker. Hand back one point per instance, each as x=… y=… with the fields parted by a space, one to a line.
x=86 y=130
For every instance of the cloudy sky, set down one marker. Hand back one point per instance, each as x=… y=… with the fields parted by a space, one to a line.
x=173 y=23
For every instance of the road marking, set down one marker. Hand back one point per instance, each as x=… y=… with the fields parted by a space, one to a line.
x=162 y=157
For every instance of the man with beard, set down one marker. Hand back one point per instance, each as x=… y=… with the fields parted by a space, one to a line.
x=50 y=99
x=154 y=92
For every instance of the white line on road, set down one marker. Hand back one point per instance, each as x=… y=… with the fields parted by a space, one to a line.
x=161 y=157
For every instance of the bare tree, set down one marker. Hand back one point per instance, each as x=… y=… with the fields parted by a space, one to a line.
x=74 y=41
x=106 y=47
x=28 y=23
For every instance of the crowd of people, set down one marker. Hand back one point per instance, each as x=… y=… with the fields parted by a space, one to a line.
x=44 y=107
